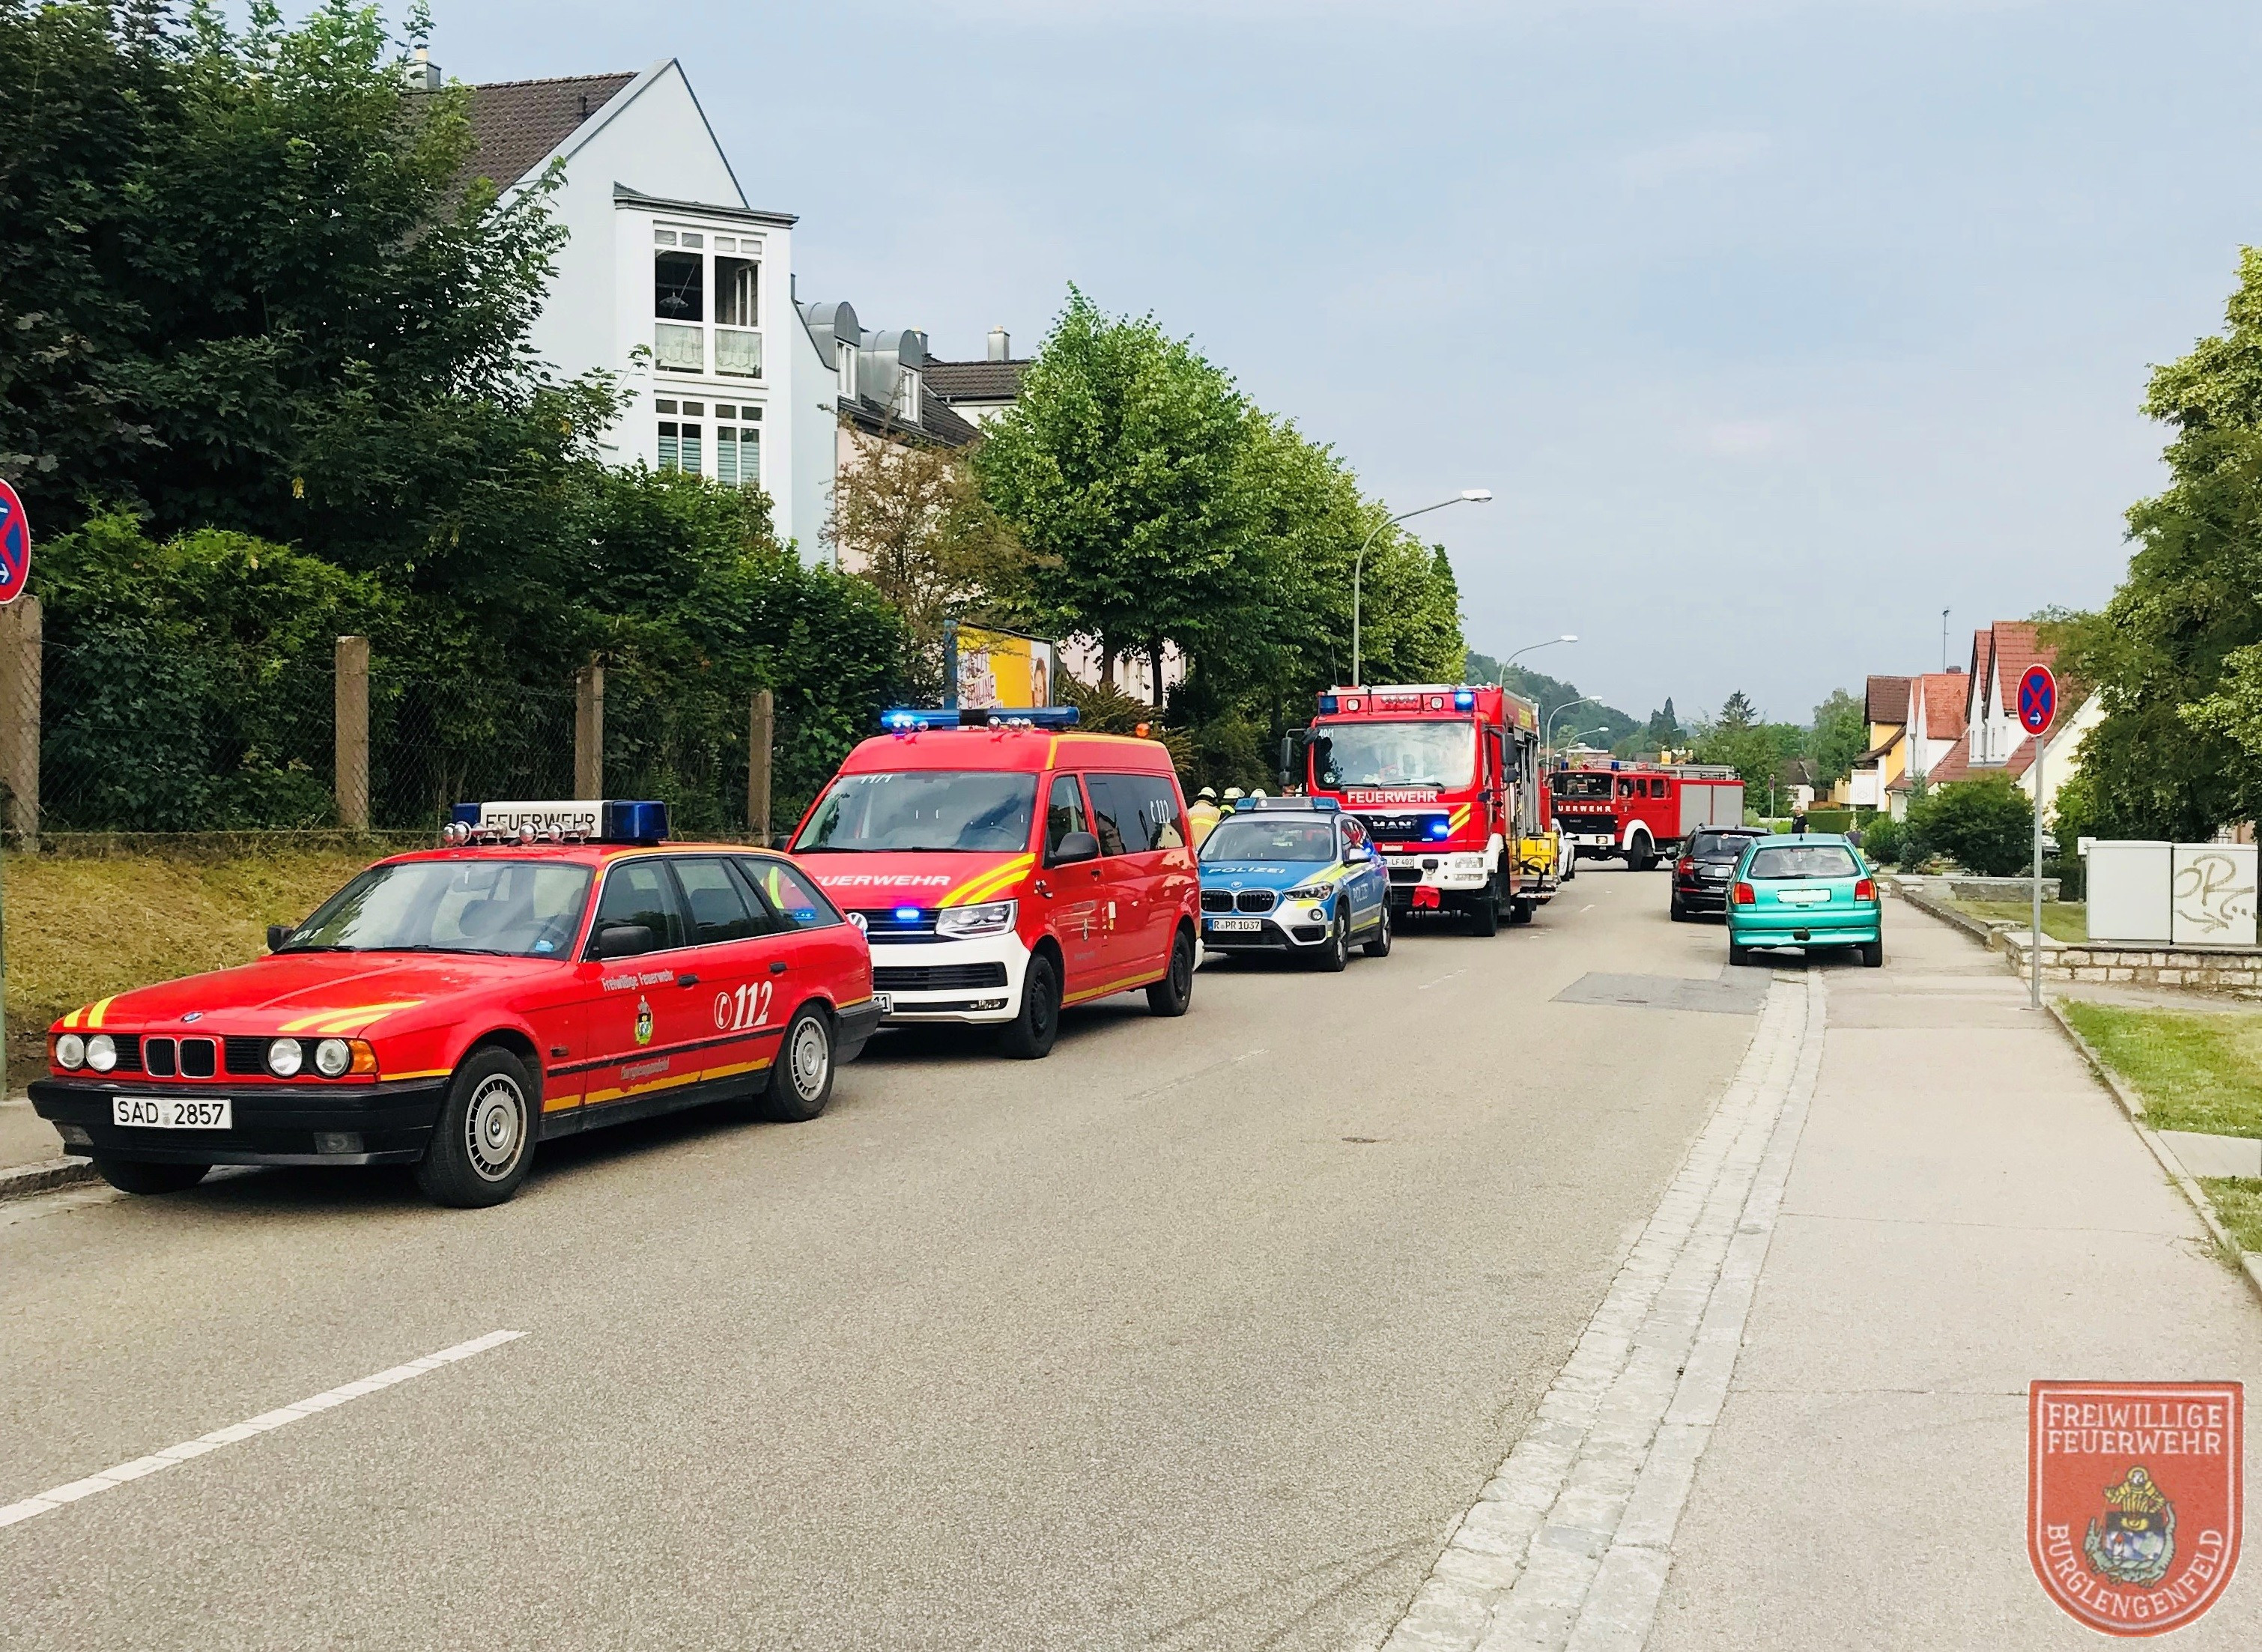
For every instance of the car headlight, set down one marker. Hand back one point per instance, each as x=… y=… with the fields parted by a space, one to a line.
x=102 y=1052
x=70 y=1052
x=285 y=1057
x=989 y=917
x=332 y=1057
x=1319 y=891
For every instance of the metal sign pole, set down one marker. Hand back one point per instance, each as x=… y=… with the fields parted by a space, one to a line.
x=2034 y=943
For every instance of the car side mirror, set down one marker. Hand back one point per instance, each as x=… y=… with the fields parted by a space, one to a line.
x=624 y=940
x=276 y=934
x=1075 y=846
x=1358 y=851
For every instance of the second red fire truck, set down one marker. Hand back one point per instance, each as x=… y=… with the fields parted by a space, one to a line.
x=1445 y=778
x=1641 y=812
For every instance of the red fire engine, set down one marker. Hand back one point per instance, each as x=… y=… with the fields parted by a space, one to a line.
x=1445 y=778
x=1641 y=811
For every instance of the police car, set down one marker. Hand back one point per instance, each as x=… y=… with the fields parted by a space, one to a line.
x=1294 y=875
x=553 y=967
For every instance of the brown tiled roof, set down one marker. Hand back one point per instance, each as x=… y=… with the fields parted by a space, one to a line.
x=1886 y=700
x=1946 y=693
x=976 y=381
x=517 y=122
x=2018 y=644
x=1877 y=752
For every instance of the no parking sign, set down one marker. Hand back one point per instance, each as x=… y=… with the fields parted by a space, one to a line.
x=2038 y=699
x=14 y=545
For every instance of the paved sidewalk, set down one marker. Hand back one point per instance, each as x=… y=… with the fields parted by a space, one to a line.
x=25 y=1138
x=1968 y=1210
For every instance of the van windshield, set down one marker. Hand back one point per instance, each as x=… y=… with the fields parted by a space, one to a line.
x=1439 y=754
x=976 y=811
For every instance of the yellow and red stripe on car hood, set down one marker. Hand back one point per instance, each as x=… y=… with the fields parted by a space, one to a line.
x=991 y=885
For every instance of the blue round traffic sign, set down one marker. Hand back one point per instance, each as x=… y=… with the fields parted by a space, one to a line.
x=2038 y=699
x=14 y=545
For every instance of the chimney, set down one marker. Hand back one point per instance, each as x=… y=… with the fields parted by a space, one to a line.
x=1001 y=345
x=423 y=75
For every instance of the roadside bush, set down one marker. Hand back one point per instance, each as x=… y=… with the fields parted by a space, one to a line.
x=1881 y=841
x=1829 y=820
x=1985 y=826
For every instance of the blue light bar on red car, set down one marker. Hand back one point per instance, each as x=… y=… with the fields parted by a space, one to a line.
x=911 y=719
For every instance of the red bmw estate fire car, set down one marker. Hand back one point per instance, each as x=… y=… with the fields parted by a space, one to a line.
x=557 y=967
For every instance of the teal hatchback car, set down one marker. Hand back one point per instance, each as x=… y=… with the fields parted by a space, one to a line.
x=1807 y=891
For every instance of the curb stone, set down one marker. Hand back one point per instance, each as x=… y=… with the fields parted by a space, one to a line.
x=1982 y=932
x=2249 y=1263
x=26 y=1180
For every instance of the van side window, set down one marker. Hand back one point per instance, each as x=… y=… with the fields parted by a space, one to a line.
x=1063 y=812
x=1146 y=811
x=1108 y=809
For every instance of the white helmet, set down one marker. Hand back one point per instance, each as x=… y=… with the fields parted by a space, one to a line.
x=1234 y=795
x=1259 y=792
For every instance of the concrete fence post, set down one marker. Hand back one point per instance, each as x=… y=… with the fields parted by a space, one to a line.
x=762 y=725
x=350 y=705
x=589 y=731
x=21 y=636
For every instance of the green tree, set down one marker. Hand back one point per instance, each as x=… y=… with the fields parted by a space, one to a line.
x=1121 y=467
x=2175 y=652
x=1841 y=734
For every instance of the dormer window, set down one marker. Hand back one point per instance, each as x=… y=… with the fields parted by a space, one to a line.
x=907 y=395
x=848 y=371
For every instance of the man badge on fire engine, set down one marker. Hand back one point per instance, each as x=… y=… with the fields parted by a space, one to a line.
x=2134 y=1498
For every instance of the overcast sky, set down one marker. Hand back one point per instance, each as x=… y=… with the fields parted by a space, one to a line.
x=1775 y=325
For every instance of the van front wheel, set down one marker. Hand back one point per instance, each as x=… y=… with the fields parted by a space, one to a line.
x=1029 y=1035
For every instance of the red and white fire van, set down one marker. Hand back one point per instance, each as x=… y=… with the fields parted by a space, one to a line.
x=1641 y=811
x=1005 y=866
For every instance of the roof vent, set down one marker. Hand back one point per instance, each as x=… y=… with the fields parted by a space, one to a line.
x=421 y=73
x=1001 y=345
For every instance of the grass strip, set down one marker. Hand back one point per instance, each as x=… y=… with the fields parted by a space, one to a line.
x=2237 y=1203
x=2199 y=1072
x=2062 y=920
x=80 y=929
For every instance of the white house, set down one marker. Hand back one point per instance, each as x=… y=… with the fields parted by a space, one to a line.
x=671 y=279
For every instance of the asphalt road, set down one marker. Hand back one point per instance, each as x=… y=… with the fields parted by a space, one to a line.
x=1200 y=1333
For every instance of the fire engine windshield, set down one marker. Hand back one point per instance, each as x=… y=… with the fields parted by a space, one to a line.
x=1440 y=754
x=977 y=811
x=1582 y=783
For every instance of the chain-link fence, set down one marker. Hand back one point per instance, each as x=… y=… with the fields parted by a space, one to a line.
x=148 y=739
x=115 y=739
x=433 y=743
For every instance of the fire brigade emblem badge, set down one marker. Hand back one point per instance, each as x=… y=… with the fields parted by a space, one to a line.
x=2135 y=1498
x=643 y=1022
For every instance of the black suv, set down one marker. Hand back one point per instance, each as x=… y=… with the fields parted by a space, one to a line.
x=1700 y=877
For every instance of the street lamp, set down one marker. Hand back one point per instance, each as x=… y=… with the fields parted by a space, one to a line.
x=1568 y=637
x=1545 y=743
x=1466 y=496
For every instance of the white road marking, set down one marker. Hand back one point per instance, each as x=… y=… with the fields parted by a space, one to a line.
x=1588 y=907
x=49 y=1501
x=1441 y=980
